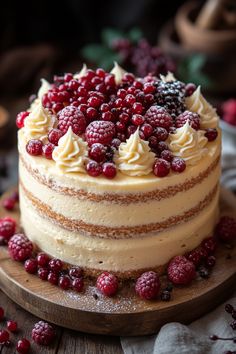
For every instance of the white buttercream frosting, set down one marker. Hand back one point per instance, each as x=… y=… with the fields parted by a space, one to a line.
x=168 y=78
x=44 y=88
x=197 y=103
x=71 y=152
x=188 y=143
x=134 y=157
x=82 y=72
x=39 y=122
x=118 y=72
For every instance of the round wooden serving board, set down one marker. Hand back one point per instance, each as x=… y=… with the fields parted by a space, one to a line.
x=125 y=314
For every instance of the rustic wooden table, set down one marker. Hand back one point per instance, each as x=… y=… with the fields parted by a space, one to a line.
x=67 y=341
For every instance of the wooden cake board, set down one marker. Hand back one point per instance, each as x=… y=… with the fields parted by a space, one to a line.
x=125 y=314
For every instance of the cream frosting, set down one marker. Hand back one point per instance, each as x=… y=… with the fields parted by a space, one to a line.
x=44 y=88
x=39 y=122
x=82 y=72
x=134 y=157
x=168 y=78
x=70 y=153
x=197 y=103
x=118 y=72
x=188 y=143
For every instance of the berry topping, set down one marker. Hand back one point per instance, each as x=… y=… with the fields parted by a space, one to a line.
x=178 y=164
x=64 y=282
x=171 y=96
x=9 y=203
x=20 y=248
x=71 y=116
x=43 y=333
x=211 y=134
x=167 y=155
x=107 y=283
x=54 y=136
x=4 y=336
x=34 y=147
x=48 y=150
x=165 y=295
x=12 y=326
x=97 y=152
x=23 y=346
x=226 y=229
x=158 y=116
x=43 y=273
x=189 y=89
x=31 y=266
x=42 y=259
x=7 y=227
x=20 y=119
x=209 y=244
x=109 y=170
x=100 y=132
x=181 y=271
x=93 y=168
x=1 y=313
x=161 y=168
x=192 y=118
x=160 y=133
x=55 y=265
x=148 y=285
x=76 y=272
x=210 y=261
x=195 y=256
x=78 y=284
x=53 y=278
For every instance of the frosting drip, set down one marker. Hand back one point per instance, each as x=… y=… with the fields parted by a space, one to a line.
x=134 y=157
x=70 y=153
x=188 y=143
x=197 y=103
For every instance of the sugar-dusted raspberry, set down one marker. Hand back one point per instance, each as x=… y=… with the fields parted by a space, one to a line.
x=191 y=117
x=100 y=132
x=23 y=346
x=20 y=247
x=34 y=147
x=209 y=244
x=158 y=116
x=43 y=333
x=178 y=165
x=7 y=227
x=20 y=119
x=211 y=134
x=97 y=152
x=226 y=229
x=31 y=265
x=181 y=271
x=160 y=133
x=71 y=116
x=161 y=168
x=195 y=256
x=107 y=283
x=54 y=136
x=109 y=170
x=148 y=285
x=47 y=150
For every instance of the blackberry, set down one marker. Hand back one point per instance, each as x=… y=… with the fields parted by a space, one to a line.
x=171 y=95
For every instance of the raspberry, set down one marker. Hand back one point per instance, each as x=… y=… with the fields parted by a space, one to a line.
x=71 y=116
x=178 y=165
x=20 y=119
x=181 y=271
x=161 y=168
x=171 y=96
x=48 y=150
x=148 y=285
x=12 y=326
x=107 y=283
x=20 y=247
x=226 y=229
x=109 y=170
x=23 y=346
x=100 y=132
x=97 y=152
x=211 y=134
x=7 y=227
x=54 y=136
x=209 y=244
x=34 y=147
x=158 y=116
x=43 y=333
x=192 y=118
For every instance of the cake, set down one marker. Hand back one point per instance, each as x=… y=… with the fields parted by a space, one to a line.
x=118 y=173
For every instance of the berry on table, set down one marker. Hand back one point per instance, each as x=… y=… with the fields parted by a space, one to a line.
x=226 y=229
x=195 y=256
x=148 y=285
x=34 y=147
x=43 y=273
x=165 y=295
x=43 y=333
x=64 y=282
x=23 y=346
x=53 y=278
x=55 y=265
x=71 y=116
x=4 y=336
x=210 y=261
x=9 y=203
x=1 y=313
x=31 y=266
x=12 y=326
x=20 y=247
x=78 y=284
x=181 y=271
x=209 y=244
x=229 y=308
x=7 y=227
x=161 y=168
x=203 y=272
x=107 y=283
x=42 y=259
x=100 y=132
x=76 y=272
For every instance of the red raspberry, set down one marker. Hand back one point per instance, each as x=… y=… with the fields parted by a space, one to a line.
x=43 y=333
x=211 y=134
x=71 y=116
x=23 y=346
x=161 y=168
x=100 y=132
x=12 y=326
x=178 y=165
x=158 y=116
x=7 y=227
x=31 y=266
x=34 y=147
x=48 y=150
x=20 y=247
x=181 y=271
x=226 y=229
x=192 y=118
x=107 y=283
x=20 y=119
x=148 y=285
x=210 y=261
x=209 y=244
x=54 y=136
x=9 y=203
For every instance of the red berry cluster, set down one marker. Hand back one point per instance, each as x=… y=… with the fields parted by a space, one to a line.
x=10 y=202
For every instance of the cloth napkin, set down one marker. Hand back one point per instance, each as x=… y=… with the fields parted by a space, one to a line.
x=229 y=160
x=175 y=338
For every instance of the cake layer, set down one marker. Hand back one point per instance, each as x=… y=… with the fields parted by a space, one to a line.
x=123 y=256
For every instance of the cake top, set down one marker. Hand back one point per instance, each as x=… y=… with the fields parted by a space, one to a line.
x=102 y=123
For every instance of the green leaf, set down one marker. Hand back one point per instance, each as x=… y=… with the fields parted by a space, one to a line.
x=196 y=62
x=94 y=52
x=108 y=35
x=107 y=61
x=135 y=34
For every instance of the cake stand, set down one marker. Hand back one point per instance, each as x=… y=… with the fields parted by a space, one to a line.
x=125 y=314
